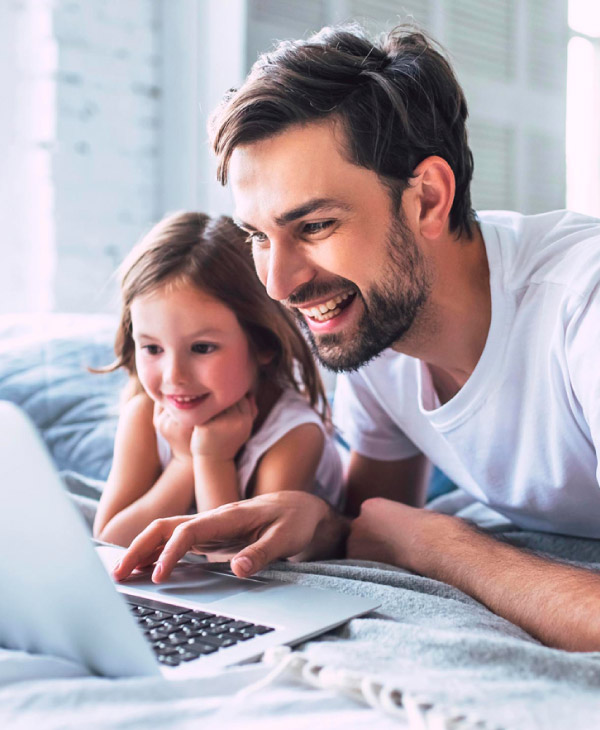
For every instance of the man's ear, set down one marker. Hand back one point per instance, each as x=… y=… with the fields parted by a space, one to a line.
x=432 y=194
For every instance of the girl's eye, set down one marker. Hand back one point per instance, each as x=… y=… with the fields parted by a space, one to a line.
x=203 y=348
x=317 y=227
x=152 y=349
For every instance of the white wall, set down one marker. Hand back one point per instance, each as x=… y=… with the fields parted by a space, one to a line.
x=27 y=127
x=204 y=56
x=81 y=178
x=106 y=148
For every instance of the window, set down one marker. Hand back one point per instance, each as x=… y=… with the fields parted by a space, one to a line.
x=583 y=108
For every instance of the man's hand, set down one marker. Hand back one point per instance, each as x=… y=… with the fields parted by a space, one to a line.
x=223 y=436
x=178 y=437
x=270 y=527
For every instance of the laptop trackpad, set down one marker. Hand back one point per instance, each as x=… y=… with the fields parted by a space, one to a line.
x=204 y=583
x=200 y=583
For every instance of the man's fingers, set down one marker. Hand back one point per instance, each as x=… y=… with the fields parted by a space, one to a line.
x=143 y=550
x=270 y=546
x=223 y=526
x=182 y=540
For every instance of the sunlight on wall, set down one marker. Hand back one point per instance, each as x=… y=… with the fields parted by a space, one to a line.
x=584 y=17
x=583 y=109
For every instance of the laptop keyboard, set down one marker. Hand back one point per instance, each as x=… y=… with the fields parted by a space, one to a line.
x=179 y=635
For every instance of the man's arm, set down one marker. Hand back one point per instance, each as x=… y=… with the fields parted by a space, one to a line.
x=557 y=604
x=403 y=480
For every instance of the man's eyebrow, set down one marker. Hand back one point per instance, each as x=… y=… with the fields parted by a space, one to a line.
x=311 y=206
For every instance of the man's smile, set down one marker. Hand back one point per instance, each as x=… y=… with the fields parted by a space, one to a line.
x=328 y=309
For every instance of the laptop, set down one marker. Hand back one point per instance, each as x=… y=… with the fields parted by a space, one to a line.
x=59 y=598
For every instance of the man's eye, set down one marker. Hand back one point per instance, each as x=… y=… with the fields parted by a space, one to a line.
x=152 y=349
x=256 y=238
x=203 y=348
x=318 y=227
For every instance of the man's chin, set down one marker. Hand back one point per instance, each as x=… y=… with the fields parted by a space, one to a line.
x=334 y=353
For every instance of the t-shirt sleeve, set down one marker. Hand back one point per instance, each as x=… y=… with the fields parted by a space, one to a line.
x=364 y=424
x=583 y=360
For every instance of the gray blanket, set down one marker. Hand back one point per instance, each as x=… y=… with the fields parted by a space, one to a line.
x=427 y=641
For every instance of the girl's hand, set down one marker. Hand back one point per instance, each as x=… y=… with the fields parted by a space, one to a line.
x=224 y=435
x=177 y=436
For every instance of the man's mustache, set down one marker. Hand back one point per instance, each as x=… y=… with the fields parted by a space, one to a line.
x=317 y=290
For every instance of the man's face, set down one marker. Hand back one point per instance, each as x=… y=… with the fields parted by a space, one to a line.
x=327 y=244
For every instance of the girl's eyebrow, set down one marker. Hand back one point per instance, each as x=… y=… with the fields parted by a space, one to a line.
x=192 y=335
x=311 y=206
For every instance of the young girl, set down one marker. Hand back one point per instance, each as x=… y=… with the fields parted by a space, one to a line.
x=225 y=401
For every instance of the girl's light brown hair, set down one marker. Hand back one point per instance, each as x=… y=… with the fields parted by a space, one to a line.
x=212 y=255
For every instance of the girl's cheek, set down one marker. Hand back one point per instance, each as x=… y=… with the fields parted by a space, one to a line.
x=145 y=377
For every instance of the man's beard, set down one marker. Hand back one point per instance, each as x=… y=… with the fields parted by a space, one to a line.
x=390 y=308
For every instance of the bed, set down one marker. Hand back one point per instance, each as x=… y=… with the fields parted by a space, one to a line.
x=430 y=657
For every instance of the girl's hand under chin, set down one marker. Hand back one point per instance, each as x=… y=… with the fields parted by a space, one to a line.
x=224 y=435
x=177 y=436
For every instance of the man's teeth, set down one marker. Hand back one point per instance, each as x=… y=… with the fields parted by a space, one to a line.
x=328 y=309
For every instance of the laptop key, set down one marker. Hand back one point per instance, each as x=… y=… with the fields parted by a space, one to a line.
x=147 y=622
x=161 y=615
x=156 y=634
x=140 y=611
x=180 y=618
x=212 y=631
x=238 y=636
x=168 y=626
x=199 y=647
x=163 y=647
x=239 y=625
x=202 y=614
x=178 y=637
x=221 y=641
x=187 y=656
x=173 y=660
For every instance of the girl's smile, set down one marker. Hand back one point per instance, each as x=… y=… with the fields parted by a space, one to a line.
x=185 y=402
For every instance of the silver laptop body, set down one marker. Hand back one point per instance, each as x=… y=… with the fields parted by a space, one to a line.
x=58 y=597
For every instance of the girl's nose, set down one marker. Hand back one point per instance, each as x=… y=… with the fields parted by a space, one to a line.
x=175 y=372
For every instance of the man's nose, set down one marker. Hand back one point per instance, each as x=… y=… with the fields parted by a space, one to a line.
x=283 y=268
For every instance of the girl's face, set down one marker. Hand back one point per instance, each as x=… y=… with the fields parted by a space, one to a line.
x=191 y=354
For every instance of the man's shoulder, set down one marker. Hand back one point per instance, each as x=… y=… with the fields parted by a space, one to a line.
x=559 y=248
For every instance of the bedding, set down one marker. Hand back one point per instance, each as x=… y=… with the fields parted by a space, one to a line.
x=430 y=657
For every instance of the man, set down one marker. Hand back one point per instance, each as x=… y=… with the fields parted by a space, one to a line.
x=469 y=342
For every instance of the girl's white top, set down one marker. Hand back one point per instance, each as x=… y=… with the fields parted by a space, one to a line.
x=290 y=410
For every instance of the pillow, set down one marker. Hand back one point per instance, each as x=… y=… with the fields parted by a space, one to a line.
x=43 y=368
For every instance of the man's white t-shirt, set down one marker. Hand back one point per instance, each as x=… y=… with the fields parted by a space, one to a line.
x=523 y=433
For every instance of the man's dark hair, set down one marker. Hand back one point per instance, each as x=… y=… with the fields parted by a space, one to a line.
x=397 y=100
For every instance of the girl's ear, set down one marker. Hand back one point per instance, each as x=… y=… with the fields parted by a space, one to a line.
x=265 y=357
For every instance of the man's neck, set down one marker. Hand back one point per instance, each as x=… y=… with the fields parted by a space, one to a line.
x=450 y=333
